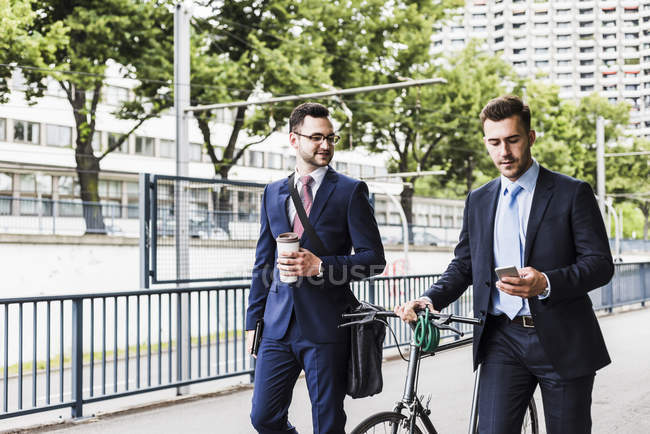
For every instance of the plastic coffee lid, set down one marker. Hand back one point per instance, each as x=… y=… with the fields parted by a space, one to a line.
x=288 y=237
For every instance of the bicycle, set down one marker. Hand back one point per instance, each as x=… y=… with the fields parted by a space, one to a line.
x=395 y=421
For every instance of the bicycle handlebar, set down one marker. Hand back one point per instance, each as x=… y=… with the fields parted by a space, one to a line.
x=366 y=317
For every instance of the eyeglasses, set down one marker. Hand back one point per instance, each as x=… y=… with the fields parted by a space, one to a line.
x=332 y=139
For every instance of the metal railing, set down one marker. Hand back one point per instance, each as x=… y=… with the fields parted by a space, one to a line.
x=66 y=217
x=71 y=350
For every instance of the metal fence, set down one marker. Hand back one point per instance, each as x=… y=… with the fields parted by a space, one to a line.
x=65 y=217
x=72 y=350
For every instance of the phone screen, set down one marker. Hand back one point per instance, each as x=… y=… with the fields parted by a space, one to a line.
x=510 y=271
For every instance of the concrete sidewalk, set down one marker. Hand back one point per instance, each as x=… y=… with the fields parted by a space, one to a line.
x=621 y=394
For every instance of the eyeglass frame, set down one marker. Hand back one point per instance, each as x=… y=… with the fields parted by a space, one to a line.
x=334 y=138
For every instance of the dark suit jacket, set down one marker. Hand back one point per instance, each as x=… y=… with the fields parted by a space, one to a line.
x=343 y=218
x=565 y=239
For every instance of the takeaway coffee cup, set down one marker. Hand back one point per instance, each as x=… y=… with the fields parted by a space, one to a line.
x=288 y=242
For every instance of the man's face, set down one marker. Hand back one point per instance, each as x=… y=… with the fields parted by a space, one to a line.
x=509 y=146
x=314 y=154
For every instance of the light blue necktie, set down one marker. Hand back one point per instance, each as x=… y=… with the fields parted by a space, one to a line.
x=509 y=252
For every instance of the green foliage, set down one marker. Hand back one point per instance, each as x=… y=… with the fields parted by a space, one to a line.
x=21 y=43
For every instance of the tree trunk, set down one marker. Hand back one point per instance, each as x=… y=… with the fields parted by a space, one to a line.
x=406 y=200
x=87 y=164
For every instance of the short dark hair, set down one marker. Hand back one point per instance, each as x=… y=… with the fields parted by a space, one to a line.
x=312 y=109
x=504 y=107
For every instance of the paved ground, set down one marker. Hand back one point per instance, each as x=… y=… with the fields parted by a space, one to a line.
x=621 y=394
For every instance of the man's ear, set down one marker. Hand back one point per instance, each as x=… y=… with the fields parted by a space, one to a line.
x=532 y=136
x=293 y=140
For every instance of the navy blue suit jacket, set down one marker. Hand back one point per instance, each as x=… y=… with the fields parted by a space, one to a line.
x=565 y=239
x=343 y=219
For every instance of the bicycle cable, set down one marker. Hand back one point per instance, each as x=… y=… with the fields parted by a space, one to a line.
x=426 y=335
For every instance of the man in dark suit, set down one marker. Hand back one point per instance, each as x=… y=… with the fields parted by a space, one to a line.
x=540 y=327
x=301 y=319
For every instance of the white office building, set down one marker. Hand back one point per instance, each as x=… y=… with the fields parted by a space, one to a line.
x=582 y=46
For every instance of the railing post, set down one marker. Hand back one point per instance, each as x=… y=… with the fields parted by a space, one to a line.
x=644 y=286
x=77 y=357
x=371 y=291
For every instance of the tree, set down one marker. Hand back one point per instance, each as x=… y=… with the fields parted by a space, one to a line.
x=627 y=178
x=135 y=34
x=20 y=45
x=241 y=52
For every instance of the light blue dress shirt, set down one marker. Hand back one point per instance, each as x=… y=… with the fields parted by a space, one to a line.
x=524 y=199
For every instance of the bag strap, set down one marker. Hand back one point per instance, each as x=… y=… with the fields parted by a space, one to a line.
x=302 y=215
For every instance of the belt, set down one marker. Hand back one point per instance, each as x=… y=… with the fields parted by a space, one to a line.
x=522 y=320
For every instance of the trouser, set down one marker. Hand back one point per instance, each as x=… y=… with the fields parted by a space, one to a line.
x=514 y=362
x=279 y=363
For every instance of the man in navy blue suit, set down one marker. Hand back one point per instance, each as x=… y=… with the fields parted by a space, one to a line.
x=301 y=319
x=540 y=327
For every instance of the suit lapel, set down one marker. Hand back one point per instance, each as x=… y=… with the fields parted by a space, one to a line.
x=541 y=198
x=322 y=195
x=283 y=197
x=489 y=205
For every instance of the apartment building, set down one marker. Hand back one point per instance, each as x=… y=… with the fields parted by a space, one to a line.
x=583 y=46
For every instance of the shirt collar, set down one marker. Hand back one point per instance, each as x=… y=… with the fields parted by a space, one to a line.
x=527 y=181
x=317 y=175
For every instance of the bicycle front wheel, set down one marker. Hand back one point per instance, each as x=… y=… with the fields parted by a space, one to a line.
x=531 y=424
x=389 y=422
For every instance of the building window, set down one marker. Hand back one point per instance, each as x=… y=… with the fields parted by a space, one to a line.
x=562 y=11
x=26 y=132
x=113 y=138
x=588 y=88
x=563 y=75
x=290 y=162
x=630 y=23
x=519 y=25
x=498 y=40
x=609 y=49
x=518 y=51
x=133 y=194
x=342 y=167
x=586 y=23
x=609 y=23
x=631 y=87
x=541 y=63
x=110 y=193
x=586 y=75
x=563 y=25
x=167 y=148
x=355 y=170
x=196 y=151
x=586 y=36
x=609 y=36
x=274 y=160
x=542 y=13
x=144 y=145
x=634 y=61
x=562 y=50
x=3 y=127
x=479 y=16
x=367 y=171
x=563 y=63
x=563 y=37
x=632 y=35
x=586 y=11
x=611 y=87
x=457 y=42
x=6 y=192
x=498 y=14
x=498 y=27
x=256 y=159
x=586 y=49
x=586 y=62
x=520 y=64
x=543 y=50
x=612 y=100
x=479 y=28
x=58 y=135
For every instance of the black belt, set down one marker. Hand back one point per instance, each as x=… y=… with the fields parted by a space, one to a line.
x=522 y=320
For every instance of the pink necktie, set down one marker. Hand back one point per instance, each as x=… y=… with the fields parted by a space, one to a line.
x=307 y=200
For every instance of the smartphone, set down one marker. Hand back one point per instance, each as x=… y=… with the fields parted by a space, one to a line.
x=510 y=271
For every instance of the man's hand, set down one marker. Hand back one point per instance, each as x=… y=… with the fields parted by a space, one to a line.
x=300 y=263
x=250 y=335
x=406 y=311
x=531 y=283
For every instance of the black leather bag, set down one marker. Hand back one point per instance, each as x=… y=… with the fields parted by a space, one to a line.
x=366 y=346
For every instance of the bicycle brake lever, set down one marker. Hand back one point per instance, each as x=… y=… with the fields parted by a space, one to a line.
x=444 y=326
